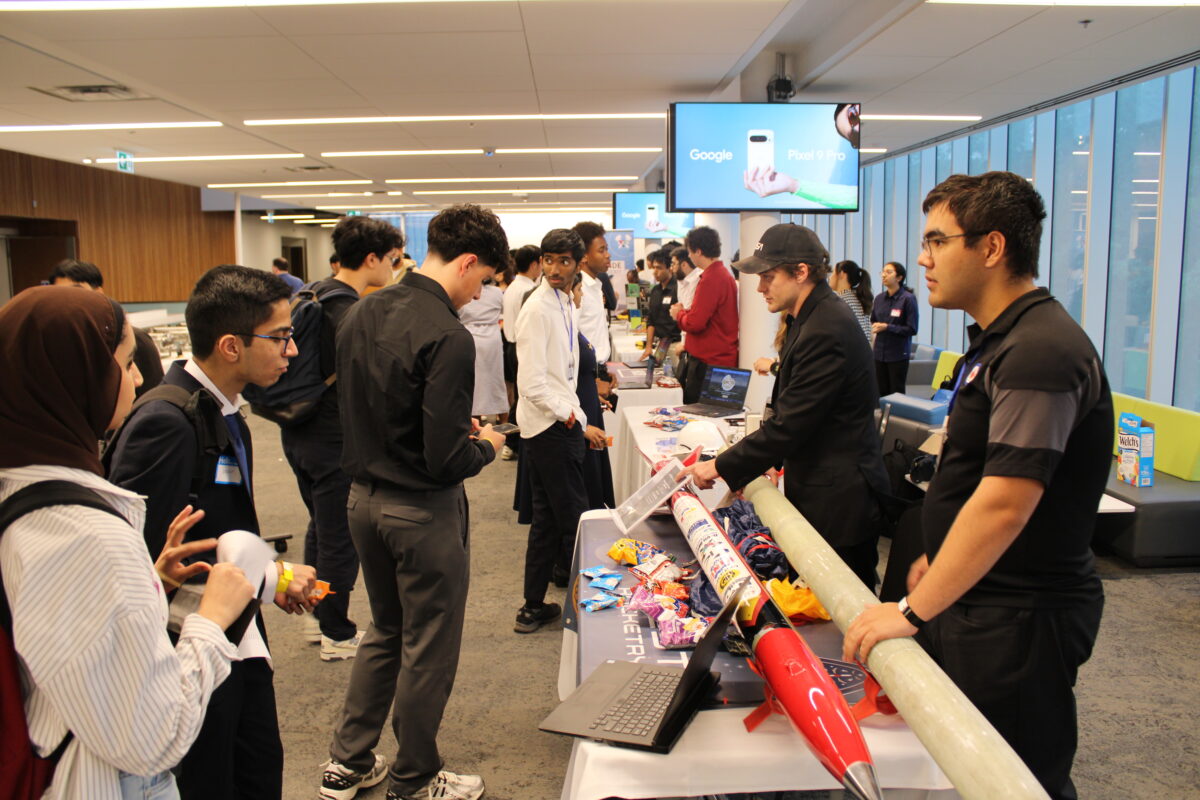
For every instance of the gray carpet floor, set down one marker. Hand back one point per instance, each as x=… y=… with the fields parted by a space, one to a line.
x=1137 y=733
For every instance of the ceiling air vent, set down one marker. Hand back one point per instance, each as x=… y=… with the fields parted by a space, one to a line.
x=307 y=169
x=94 y=93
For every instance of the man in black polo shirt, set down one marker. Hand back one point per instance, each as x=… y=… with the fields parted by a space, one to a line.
x=406 y=376
x=1006 y=598
x=665 y=293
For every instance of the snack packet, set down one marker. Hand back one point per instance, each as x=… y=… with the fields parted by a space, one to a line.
x=598 y=571
x=657 y=568
x=679 y=633
x=601 y=600
x=632 y=551
x=607 y=583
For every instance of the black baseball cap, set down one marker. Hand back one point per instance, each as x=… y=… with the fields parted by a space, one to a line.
x=785 y=243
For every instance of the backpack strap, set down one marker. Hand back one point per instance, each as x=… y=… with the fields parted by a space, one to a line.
x=45 y=494
x=204 y=414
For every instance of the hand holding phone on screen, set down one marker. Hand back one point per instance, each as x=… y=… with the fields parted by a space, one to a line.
x=767 y=182
x=760 y=150
x=653 y=223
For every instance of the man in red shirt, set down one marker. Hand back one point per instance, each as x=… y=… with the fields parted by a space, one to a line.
x=711 y=323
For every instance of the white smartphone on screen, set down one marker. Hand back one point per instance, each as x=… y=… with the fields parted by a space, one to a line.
x=651 y=214
x=760 y=150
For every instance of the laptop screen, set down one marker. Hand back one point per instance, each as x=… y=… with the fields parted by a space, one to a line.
x=724 y=386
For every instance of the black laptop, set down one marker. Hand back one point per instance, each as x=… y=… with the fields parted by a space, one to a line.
x=723 y=393
x=644 y=706
x=657 y=357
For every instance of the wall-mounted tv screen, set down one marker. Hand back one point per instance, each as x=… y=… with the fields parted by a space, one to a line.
x=645 y=213
x=790 y=157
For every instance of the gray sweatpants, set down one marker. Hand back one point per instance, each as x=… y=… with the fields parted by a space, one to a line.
x=413 y=547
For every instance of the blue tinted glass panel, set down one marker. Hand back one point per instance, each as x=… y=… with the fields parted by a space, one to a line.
x=945 y=160
x=977 y=153
x=1020 y=147
x=1072 y=168
x=1187 y=354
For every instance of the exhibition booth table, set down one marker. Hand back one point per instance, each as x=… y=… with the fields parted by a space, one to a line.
x=715 y=755
x=637 y=446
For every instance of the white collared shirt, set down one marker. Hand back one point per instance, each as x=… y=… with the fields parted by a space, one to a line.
x=687 y=287
x=90 y=626
x=197 y=372
x=547 y=361
x=520 y=286
x=593 y=318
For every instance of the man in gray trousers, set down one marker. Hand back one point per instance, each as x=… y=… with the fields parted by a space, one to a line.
x=406 y=373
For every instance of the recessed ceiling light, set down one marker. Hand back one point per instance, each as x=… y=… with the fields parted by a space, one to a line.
x=87 y=161
x=1143 y=192
x=1079 y=191
x=872 y=150
x=597 y=190
x=1081 y=152
x=1106 y=3
x=159 y=159
x=515 y=180
x=1147 y=154
x=139 y=5
x=323 y=194
x=573 y=209
x=445 y=118
x=1145 y=180
x=317 y=221
x=106 y=126
x=373 y=205
x=285 y=183
x=287 y=216
x=356 y=153
x=533 y=150
x=921 y=117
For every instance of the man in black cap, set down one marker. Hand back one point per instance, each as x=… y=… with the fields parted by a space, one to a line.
x=821 y=425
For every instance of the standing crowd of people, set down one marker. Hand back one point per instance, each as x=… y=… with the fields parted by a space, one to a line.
x=145 y=505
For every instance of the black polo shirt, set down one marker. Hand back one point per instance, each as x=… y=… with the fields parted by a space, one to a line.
x=658 y=311
x=1032 y=402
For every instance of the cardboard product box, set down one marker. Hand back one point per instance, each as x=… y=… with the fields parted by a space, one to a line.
x=1135 y=450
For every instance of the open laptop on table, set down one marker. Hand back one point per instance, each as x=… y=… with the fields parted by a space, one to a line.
x=723 y=393
x=644 y=706
x=657 y=357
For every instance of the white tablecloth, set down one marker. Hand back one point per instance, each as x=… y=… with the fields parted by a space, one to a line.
x=636 y=446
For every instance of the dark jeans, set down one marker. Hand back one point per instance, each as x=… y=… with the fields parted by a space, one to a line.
x=862 y=560
x=324 y=487
x=891 y=376
x=555 y=459
x=693 y=372
x=238 y=754
x=1018 y=666
x=416 y=566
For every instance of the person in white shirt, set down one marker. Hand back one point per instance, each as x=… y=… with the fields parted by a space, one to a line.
x=89 y=609
x=552 y=422
x=593 y=316
x=686 y=273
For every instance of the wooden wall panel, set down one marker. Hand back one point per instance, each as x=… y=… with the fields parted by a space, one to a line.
x=149 y=237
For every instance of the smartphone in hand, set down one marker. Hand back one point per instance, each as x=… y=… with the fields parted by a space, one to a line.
x=505 y=428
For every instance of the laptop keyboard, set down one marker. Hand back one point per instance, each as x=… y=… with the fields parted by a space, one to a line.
x=640 y=707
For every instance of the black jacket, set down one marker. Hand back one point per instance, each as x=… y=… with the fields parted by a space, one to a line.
x=823 y=429
x=154 y=456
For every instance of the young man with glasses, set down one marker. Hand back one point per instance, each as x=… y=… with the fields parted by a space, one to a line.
x=552 y=422
x=1006 y=598
x=240 y=326
x=367 y=249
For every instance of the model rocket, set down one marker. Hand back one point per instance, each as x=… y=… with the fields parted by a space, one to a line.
x=795 y=677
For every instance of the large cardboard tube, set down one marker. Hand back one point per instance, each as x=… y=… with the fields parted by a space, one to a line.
x=964 y=744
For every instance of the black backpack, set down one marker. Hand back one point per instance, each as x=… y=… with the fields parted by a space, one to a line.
x=295 y=397
x=204 y=414
x=23 y=774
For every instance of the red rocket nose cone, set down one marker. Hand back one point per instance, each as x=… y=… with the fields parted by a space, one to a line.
x=859 y=779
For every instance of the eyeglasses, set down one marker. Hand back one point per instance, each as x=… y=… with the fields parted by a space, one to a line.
x=928 y=243
x=283 y=340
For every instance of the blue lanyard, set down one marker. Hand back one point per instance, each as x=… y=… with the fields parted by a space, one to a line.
x=569 y=326
x=958 y=383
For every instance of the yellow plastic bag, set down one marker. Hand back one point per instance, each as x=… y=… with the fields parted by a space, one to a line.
x=797 y=601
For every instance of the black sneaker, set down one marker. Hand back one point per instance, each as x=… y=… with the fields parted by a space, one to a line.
x=530 y=619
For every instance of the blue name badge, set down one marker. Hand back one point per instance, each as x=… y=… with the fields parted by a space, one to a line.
x=228 y=471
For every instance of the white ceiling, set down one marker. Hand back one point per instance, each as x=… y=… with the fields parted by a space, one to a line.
x=542 y=57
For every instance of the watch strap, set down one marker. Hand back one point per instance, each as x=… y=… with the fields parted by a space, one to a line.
x=908 y=613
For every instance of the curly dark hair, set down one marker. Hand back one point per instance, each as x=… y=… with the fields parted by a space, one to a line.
x=996 y=201
x=468 y=228
x=355 y=238
x=561 y=240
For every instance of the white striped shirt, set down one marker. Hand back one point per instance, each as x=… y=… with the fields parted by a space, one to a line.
x=863 y=317
x=89 y=626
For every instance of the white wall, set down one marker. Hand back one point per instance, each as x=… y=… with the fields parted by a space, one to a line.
x=529 y=228
x=261 y=243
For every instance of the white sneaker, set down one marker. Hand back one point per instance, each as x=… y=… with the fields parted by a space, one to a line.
x=339 y=782
x=312 y=629
x=507 y=454
x=332 y=650
x=445 y=786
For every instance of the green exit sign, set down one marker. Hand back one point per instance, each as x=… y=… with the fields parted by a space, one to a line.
x=124 y=162
x=353 y=213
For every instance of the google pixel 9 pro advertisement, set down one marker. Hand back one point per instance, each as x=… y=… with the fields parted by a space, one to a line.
x=790 y=157
x=645 y=213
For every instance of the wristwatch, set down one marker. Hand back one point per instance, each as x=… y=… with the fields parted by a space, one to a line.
x=909 y=614
x=775 y=368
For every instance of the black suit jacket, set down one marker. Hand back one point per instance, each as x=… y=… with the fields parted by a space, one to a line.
x=823 y=429
x=154 y=456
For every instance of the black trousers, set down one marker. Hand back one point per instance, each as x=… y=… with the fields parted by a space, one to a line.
x=693 y=372
x=416 y=567
x=891 y=376
x=238 y=754
x=1018 y=666
x=862 y=560
x=555 y=459
x=316 y=461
